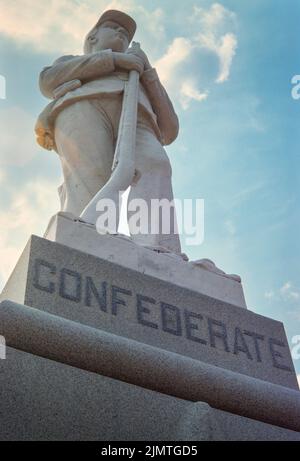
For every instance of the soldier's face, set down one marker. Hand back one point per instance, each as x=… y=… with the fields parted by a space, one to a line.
x=111 y=35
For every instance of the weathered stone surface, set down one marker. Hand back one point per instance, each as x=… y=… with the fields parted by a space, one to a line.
x=46 y=335
x=104 y=295
x=110 y=92
x=45 y=400
x=165 y=266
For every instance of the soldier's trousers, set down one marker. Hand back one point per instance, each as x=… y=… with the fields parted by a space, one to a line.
x=86 y=133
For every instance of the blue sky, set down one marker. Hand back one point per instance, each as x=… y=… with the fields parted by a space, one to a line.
x=228 y=67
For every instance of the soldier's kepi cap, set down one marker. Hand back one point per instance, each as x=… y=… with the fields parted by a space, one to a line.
x=120 y=18
x=112 y=15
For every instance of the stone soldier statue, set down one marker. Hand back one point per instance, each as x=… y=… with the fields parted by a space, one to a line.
x=81 y=123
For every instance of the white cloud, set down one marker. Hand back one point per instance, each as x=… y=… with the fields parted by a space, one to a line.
x=214 y=36
x=179 y=50
x=226 y=52
x=56 y=26
x=170 y=67
x=285 y=288
x=224 y=47
x=180 y=59
x=215 y=16
x=59 y=26
x=288 y=292
x=189 y=92
x=29 y=213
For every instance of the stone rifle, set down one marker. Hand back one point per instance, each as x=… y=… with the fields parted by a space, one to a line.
x=123 y=168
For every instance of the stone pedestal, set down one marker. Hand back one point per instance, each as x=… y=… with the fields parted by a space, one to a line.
x=102 y=294
x=65 y=375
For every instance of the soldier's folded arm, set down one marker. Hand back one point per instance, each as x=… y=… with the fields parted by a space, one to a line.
x=166 y=117
x=68 y=68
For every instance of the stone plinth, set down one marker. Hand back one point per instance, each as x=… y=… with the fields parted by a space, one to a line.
x=105 y=295
x=123 y=251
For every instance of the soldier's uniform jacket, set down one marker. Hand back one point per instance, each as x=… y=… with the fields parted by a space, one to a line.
x=72 y=78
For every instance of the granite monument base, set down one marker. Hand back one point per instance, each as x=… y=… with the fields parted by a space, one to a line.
x=103 y=294
x=45 y=400
x=100 y=351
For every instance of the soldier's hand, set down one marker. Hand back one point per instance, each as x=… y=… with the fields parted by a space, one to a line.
x=141 y=54
x=126 y=61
